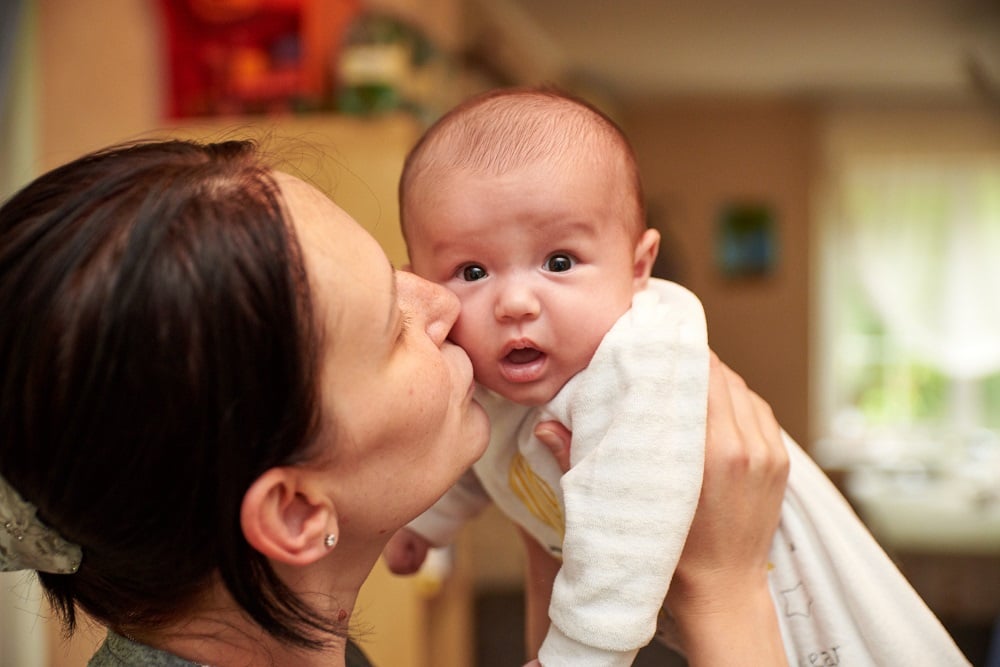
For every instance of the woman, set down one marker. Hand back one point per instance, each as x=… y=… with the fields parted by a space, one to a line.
x=222 y=400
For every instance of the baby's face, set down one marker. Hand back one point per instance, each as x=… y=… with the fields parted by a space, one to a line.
x=542 y=261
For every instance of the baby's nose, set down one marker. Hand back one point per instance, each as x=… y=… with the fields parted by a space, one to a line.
x=517 y=301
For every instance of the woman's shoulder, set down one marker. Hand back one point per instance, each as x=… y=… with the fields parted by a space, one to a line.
x=119 y=651
x=355 y=657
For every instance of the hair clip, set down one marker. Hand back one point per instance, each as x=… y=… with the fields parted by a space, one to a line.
x=28 y=544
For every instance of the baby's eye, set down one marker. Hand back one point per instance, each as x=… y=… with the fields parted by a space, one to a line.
x=559 y=262
x=472 y=272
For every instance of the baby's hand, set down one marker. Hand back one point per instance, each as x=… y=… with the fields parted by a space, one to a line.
x=557 y=438
x=405 y=552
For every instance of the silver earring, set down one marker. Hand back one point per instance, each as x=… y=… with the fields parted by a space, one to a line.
x=329 y=540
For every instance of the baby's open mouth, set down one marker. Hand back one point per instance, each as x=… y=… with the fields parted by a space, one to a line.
x=523 y=363
x=524 y=355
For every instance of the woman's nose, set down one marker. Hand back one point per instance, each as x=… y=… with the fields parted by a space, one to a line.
x=428 y=305
x=516 y=301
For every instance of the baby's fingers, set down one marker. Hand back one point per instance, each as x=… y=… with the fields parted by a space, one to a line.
x=557 y=438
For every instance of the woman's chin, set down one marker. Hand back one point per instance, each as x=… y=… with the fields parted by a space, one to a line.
x=480 y=435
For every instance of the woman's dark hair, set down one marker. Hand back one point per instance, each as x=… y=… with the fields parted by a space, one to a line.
x=158 y=354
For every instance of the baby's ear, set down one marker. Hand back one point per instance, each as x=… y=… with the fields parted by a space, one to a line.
x=645 y=255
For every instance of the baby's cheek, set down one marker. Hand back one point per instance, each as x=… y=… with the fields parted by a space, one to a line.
x=474 y=345
x=464 y=333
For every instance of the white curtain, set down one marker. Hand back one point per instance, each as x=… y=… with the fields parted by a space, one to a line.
x=926 y=247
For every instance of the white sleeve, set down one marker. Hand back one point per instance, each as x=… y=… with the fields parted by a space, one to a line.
x=638 y=417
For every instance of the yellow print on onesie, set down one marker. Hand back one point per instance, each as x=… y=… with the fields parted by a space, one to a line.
x=537 y=496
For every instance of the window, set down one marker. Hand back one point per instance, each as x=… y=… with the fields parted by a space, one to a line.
x=911 y=298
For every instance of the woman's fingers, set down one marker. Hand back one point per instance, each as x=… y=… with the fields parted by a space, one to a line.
x=754 y=426
x=746 y=468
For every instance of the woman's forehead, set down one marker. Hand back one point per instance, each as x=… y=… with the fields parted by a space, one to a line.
x=298 y=195
x=344 y=262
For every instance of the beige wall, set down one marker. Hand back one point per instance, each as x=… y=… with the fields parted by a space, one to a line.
x=697 y=155
x=100 y=75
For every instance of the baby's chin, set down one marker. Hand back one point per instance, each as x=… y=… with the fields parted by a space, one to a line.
x=532 y=394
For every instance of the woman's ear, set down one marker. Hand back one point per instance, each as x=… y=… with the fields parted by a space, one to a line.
x=286 y=519
x=645 y=255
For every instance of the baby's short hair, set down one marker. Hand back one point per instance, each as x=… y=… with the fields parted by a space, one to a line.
x=507 y=128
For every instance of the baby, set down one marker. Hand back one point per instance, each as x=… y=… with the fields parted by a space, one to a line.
x=527 y=204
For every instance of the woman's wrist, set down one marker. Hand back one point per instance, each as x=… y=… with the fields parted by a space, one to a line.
x=730 y=621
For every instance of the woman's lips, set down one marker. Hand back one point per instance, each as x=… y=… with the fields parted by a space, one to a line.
x=464 y=365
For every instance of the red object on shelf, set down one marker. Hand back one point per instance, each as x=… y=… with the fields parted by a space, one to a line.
x=249 y=56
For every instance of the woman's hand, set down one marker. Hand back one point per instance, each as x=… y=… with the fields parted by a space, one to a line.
x=746 y=468
x=719 y=596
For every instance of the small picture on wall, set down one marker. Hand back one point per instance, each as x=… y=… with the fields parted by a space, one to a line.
x=746 y=244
